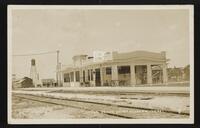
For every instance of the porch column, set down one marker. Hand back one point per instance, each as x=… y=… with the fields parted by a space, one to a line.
x=70 y=78
x=83 y=71
x=74 y=76
x=115 y=74
x=81 y=75
x=133 y=79
x=165 y=76
x=63 y=78
x=91 y=77
x=101 y=74
x=86 y=75
x=149 y=74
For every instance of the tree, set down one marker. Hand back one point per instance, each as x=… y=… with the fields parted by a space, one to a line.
x=187 y=72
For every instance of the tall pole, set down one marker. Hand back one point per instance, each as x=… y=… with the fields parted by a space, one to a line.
x=57 y=72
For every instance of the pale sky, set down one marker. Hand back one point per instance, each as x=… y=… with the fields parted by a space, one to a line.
x=84 y=31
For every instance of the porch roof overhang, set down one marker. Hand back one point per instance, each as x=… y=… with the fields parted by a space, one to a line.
x=70 y=69
x=128 y=61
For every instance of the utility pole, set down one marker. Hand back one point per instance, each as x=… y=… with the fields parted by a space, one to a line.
x=58 y=69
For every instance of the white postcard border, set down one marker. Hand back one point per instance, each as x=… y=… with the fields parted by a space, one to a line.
x=100 y=121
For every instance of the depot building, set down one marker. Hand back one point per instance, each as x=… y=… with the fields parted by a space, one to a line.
x=116 y=69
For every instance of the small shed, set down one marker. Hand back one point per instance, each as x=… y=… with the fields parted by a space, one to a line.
x=23 y=83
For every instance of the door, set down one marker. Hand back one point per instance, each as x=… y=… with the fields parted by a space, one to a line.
x=97 y=77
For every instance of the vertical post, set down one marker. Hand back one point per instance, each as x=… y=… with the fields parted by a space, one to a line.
x=70 y=78
x=133 y=79
x=57 y=71
x=115 y=74
x=101 y=75
x=59 y=75
x=165 y=76
x=81 y=75
x=74 y=77
x=94 y=76
x=149 y=74
x=91 y=77
x=86 y=75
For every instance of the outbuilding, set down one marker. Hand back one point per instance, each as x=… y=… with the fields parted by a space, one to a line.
x=23 y=83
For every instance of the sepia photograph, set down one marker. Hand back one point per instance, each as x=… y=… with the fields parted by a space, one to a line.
x=106 y=64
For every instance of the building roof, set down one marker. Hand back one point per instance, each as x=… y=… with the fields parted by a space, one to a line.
x=79 y=56
x=138 y=54
x=135 y=56
x=18 y=81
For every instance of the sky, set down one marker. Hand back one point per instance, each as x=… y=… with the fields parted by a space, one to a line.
x=84 y=31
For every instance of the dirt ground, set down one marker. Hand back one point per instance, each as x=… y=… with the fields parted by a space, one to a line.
x=26 y=109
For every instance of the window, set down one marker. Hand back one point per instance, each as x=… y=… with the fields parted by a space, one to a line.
x=66 y=77
x=88 y=74
x=72 y=76
x=124 y=69
x=91 y=75
x=77 y=76
x=83 y=76
x=108 y=71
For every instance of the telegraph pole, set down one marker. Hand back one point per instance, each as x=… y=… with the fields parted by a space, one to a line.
x=57 y=72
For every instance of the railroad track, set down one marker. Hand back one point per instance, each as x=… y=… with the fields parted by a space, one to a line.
x=120 y=111
x=121 y=93
x=116 y=92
